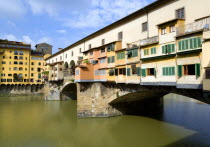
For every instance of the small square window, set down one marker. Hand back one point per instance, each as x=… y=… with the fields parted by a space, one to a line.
x=163 y=31
x=144 y=27
x=172 y=28
x=180 y=13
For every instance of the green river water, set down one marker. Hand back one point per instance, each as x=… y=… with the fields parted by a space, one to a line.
x=30 y=121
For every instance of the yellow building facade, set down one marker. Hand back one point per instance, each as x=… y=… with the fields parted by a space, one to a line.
x=19 y=64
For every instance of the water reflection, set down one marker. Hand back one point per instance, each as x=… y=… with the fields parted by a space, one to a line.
x=33 y=122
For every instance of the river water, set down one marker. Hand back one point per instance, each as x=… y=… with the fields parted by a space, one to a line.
x=32 y=122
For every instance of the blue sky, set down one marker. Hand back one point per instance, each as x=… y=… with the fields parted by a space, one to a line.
x=60 y=22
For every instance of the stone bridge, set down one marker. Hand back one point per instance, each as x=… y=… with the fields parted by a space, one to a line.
x=110 y=99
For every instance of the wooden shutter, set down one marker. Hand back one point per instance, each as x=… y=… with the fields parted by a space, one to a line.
x=197 y=70
x=199 y=42
x=164 y=49
x=180 y=45
x=183 y=45
x=191 y=43
x=143 y=72
x=138 y=71
x=186 y=44
x=128 y=72
x=173 y=48
x=180 y=70
x=124 y=71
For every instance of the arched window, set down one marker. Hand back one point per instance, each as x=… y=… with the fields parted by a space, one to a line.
x=21 y=63
x=15 y=52
x=21 y=57
x=66 y=65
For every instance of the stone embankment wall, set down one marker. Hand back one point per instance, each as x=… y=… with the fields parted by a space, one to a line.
x=22 y=89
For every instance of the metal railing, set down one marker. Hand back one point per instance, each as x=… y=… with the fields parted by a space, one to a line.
x=149 y=40
x=200 y=25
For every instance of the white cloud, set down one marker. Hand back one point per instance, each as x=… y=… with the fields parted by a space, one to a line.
x=61 y=31
x=54 y=7
x=104 y=12
x=12 y=8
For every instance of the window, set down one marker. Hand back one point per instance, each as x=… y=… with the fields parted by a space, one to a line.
x=25 y=75
x=149 y=72
x=72 y=53
x=102 y=72
x=163 y=31
x=80 y=50
x=189 y=69
x=38 y=69
x=134 y=70
x=169 y=48
x=32 y=63
x=89 y=46
x=15 y=57
x=3 y=62
x=10 y=57
x=91 y=52
x=110 y=47
x=3 y=75
x=9 y=75
x=32 y=74
x=3 y=68
x=26 y=58
x=20 y=68
x=120 y=35
x=153 y=50
x=96 y=72
x=60 y=69
x=66 y=55
x=39 y=63
x=32 y=69
x=191 y=43
x=3 y=80
x=15 y=62
x=144 y=27
x=132 y=53
x=15 y=68
x=103 y=60
x=9 y=80
x=77 y=72
x=25 y=63
x=21 y=53
x=15 y=52
x=102 y=50
x=3 y=57
x=120 y=55
x=180 y=13
x=21 y=63
x=60 y=58
x=39 y=75
x=25 y=69
x=128 y=72
x=102 y=41
x=111 y=59
x=168 y=71
x=111 y=72
x=207 y=73
x=172 y=28
x=10 y=63
x=146 y=51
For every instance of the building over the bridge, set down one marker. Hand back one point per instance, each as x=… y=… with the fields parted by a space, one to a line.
x=45 y=48
x=164 y=43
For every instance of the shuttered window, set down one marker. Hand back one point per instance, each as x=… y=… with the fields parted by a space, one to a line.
x=191 y=43
x=169 y=48
x=153 y=50
x=111 y=59
x=168 y=71
x=143 y=72
x=120 y=55
x=146 y=52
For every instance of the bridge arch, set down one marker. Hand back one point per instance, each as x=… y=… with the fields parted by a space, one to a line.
x=69 y=91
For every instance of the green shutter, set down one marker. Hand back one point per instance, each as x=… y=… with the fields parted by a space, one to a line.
x=173 y=71
x=151 y=50
x=164 y=49
x=173 y=48
x=154 y=72
x=180 y=45
x=197 y=70
x=180 y=70
x=108 y=59
x=143 y=72
x=195 y=43
x=138 y=71
x=183 y=45
x=112 y=47
x=169 y=48
x=199 y=42
x=191 y=43
x=113 y=59
x=164 y=71
x=144 y=52
x=186 y=44
x=128 y=72
x=154 y=50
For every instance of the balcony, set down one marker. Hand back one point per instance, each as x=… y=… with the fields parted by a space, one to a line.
x=200 y=25
x=149 y=41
